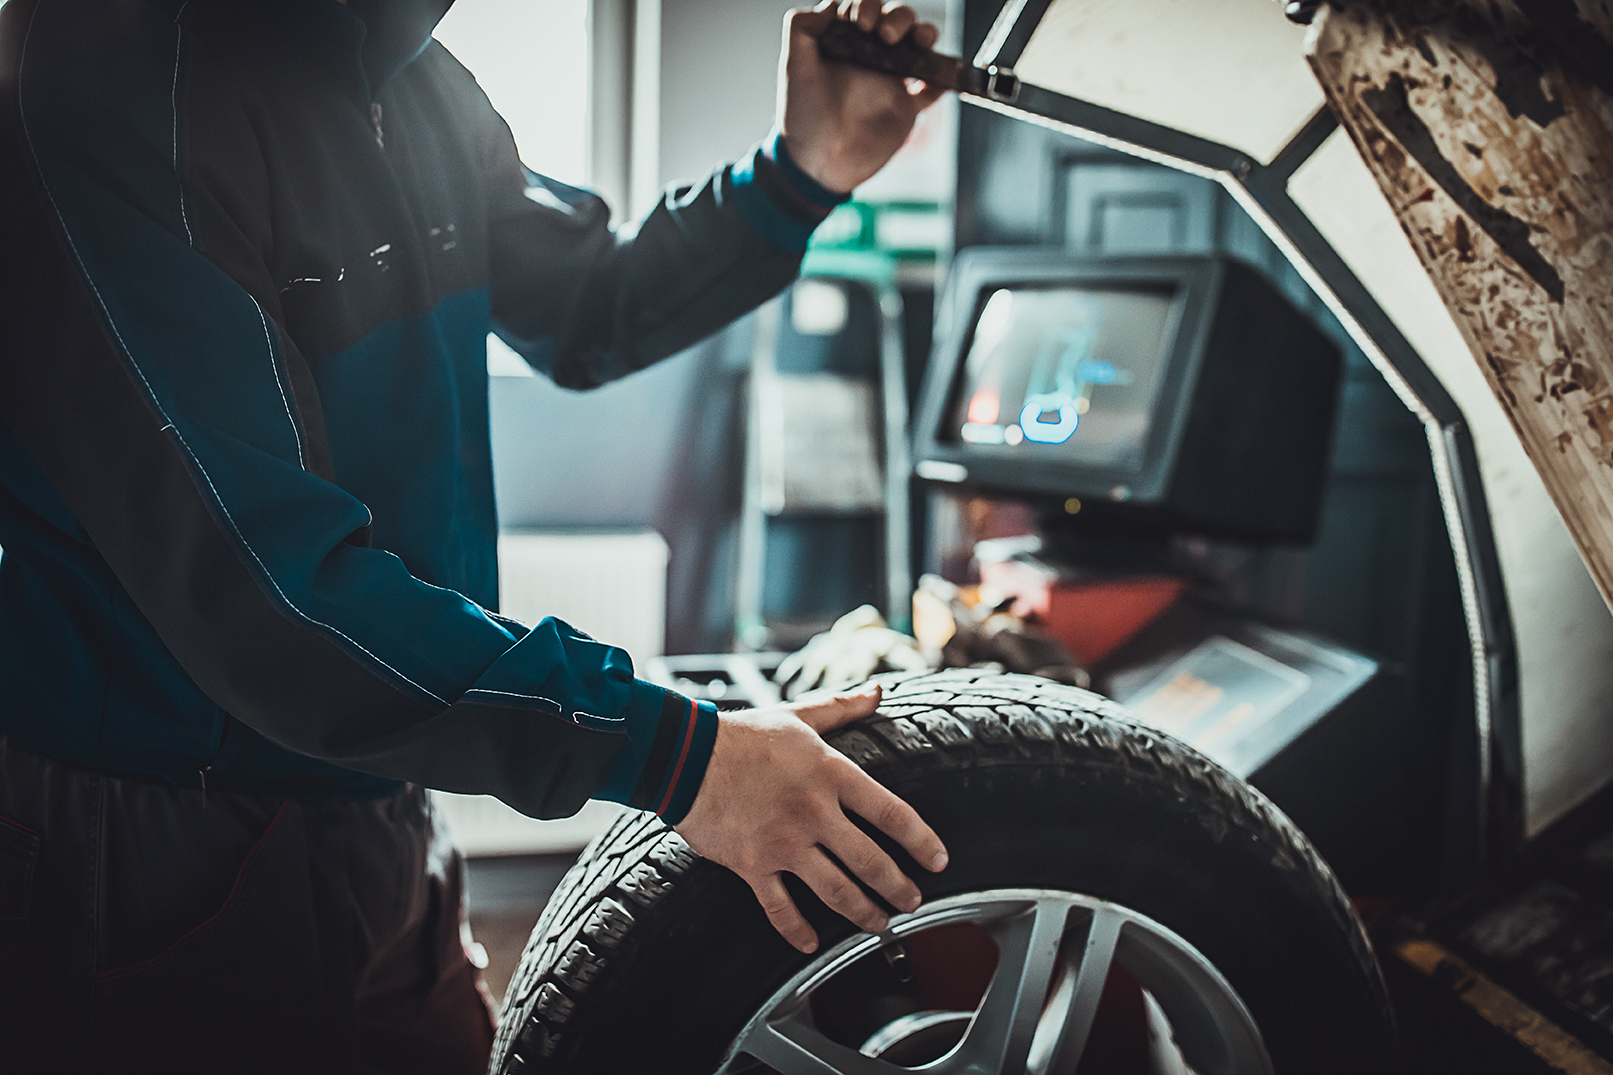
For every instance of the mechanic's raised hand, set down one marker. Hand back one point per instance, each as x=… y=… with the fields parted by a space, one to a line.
x=842 y=123
x=775 y=797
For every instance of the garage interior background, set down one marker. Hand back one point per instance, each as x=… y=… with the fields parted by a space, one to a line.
x=636 y=94
x=1380 y=577
x=628 y=96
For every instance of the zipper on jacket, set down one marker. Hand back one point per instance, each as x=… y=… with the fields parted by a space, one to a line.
x=215 y=747
x=375 y=121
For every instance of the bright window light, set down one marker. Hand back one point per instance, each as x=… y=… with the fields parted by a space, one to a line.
x=531 y=56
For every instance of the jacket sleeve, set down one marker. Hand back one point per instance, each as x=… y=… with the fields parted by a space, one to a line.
x=585 y=305
x=171 y=415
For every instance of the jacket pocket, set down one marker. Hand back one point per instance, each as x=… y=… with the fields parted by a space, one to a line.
x=19 y=853
x=249 y=984
x=261 y=868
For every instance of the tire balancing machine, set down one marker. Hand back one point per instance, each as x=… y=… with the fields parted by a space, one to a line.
x=1135 y=403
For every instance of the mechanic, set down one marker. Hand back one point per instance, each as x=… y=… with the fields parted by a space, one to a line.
x=253 y=253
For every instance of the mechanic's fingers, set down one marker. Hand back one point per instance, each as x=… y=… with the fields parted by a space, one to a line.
x=864 y=796
x=810 y=23
x=782 y=912
x=895 y=23
x=840 y=892
x=824 y=715
x=865 y=13
x=926 y=34
x=877 y=870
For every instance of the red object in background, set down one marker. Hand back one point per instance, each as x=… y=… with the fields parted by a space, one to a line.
x=1090 y=618
x=954 y=964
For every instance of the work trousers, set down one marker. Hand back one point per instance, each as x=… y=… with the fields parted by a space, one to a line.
x=148 y=928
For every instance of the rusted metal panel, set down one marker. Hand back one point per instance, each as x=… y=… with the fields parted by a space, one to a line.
x=1491 y=134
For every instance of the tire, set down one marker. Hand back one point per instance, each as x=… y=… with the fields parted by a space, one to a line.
x=650 y=959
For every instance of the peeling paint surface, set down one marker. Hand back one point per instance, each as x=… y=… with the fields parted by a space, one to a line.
x=1508 y=203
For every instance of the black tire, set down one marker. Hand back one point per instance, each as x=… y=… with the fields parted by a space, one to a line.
x=650 y=959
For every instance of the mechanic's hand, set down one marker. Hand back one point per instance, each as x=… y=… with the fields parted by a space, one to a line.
x=842 y=123
x=774 y=800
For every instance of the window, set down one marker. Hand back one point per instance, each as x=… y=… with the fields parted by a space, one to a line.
x=531 y=56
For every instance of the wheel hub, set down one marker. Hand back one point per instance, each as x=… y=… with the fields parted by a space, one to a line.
x=1056 y=951
x=919 y=1038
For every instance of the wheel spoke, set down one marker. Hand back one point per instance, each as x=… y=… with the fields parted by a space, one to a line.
x=1039 y=1009
x=1069 y=1017
x=1000 y=1036
x=794 y=1048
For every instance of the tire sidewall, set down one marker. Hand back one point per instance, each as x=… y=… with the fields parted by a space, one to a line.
x=707 y=959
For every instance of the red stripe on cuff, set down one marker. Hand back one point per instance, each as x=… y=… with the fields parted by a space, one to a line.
x=783 y=184
x=683 y=756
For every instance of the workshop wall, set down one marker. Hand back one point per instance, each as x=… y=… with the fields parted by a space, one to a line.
x=719 y=62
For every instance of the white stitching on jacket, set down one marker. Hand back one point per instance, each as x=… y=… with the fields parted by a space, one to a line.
x=179 y=45
x=302 y=454
x=22 y=59
x=511 y=694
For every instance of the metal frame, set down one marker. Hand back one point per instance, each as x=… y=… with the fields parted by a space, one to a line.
x=750 y=624
x=1262 y=191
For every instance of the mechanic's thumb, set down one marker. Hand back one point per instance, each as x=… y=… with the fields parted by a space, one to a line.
x=824 y=715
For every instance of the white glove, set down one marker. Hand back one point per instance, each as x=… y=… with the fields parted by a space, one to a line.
x=848 y=653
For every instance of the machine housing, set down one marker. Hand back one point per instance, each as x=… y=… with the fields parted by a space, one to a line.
x=1157 y=389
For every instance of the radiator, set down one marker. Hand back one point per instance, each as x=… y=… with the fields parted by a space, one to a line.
x=611 y=585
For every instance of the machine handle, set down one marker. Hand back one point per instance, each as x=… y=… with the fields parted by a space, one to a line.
x=848 y=43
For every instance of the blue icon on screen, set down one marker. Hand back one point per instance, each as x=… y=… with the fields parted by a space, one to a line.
x=1033 y=419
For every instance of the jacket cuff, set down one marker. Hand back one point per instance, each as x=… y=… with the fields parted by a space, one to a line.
x=669 y=742
x=776 y=197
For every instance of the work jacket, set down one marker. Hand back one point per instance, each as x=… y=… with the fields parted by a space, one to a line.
x=253 y=250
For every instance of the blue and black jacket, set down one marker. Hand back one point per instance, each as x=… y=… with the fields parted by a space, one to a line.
x=252 y=252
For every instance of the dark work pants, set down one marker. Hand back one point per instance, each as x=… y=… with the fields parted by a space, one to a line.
x=147 y=928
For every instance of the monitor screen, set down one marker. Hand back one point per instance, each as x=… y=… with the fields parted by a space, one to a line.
x=1066 y=374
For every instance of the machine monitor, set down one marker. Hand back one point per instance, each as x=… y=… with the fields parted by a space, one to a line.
x=1064 y=372
x=1163 y=394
